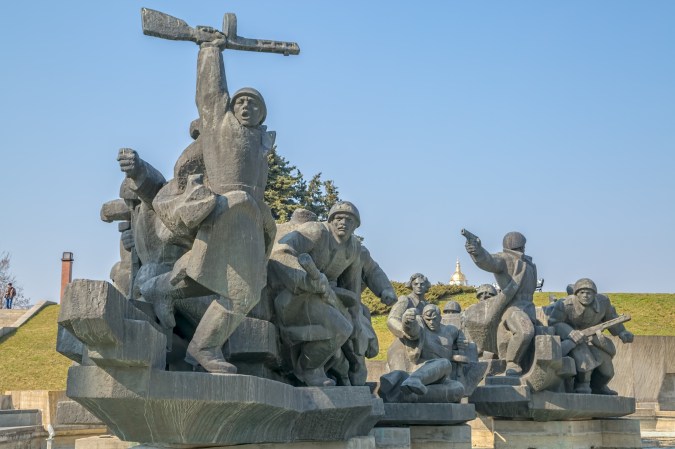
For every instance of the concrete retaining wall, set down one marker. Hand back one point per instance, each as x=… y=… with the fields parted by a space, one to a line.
x=645 y=369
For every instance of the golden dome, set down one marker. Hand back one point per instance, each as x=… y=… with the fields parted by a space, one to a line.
x=458 y=277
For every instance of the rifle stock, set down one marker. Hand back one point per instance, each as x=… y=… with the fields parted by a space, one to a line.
x=159 y=24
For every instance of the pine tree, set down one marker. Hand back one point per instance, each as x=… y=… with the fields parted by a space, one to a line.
x=287 y=190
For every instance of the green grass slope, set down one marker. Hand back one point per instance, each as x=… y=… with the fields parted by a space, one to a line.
x=28 y=358
x=29 y=361
x=652 y=314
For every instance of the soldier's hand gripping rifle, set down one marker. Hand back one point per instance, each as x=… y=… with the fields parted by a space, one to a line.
x=598 y=328
x=162 y=25
x=579 y=335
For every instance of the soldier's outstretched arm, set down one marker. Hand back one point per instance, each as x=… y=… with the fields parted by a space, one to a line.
x=145 y=179
x=212 y=95
x=483 y=259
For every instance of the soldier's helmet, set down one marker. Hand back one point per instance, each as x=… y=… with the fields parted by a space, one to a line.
x=486 y=288
x=251 y=92
x=452 y=307
x=585 y=283
x=345 y=207
x=514 y=240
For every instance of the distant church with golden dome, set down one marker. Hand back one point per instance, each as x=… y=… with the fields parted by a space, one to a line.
x=458 y=277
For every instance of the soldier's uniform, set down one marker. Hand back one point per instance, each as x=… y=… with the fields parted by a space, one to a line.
x=593 y=358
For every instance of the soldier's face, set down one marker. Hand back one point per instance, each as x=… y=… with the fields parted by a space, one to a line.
x=343 y=225
x=248 y=110
x=586 y=296
x=418 y=286
x=432 y=319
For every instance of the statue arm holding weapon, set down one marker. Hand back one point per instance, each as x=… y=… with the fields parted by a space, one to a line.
x=483 y=259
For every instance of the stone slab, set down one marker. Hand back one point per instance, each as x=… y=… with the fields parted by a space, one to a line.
x=102 y=442
x=5 y=402
x=422 y=414
x=582 y=434
x=365 y=442
x=391 y=437
x=25 y=437
x=440 y=437
x=44 y=400
x=70 y=412
x=162 y=407
x=518 y=402
x=19 y=418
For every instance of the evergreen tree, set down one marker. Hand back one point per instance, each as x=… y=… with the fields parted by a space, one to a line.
x=287 y=190
x=285 y=187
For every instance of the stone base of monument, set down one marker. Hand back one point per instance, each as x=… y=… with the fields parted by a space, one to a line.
x=365 y=442
x=517 y=401
x=422 y=414
x=102 y=442
x=423 y=437
x=652 y=420
x=191 y=409
x=492 y=433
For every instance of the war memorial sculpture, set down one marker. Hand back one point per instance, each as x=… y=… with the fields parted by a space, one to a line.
x=221 y=327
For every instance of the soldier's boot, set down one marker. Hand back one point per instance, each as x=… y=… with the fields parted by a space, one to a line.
x=414 y=385
x=216 y=326
x=513 y=369
x=599 y=384
x=313 y=358
x=583 y=383
x=605 y=390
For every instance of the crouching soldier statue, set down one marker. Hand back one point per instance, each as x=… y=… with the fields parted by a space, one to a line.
x=429 y=361
x=592 y=352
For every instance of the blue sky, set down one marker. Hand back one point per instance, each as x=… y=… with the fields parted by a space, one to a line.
x=556 y=119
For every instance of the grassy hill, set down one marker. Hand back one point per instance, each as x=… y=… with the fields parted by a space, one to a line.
x=28 y=360
x=652 y=313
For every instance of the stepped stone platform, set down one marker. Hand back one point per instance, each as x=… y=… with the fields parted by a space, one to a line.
x=518 y=402
x=418 y=414
x=163 y=407
x=490 y=433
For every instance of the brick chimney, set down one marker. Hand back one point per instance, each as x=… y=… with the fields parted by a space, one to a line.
x=66 y=271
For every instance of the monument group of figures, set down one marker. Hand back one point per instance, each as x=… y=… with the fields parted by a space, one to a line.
x=210 y=290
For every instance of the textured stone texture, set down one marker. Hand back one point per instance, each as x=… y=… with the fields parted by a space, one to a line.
x=519 y=402
x=5 y=402
x=99 y=316
x=548 y=368
x=153 y=406
x=43 y=400
x=102 y=442
x=19 y=418
x=585 y=434
x=402 y=414
x=70 y=412
x=644 y=369
x=68 y=345
x=440 y=437
x=391 y=437
x=365 y=442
